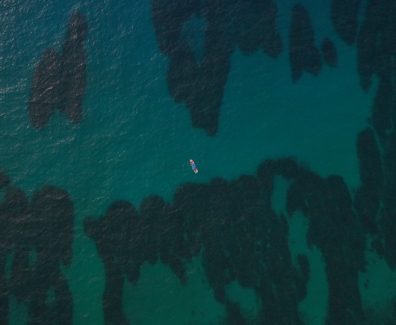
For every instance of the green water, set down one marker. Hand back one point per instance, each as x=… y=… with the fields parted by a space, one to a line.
x=135 y=141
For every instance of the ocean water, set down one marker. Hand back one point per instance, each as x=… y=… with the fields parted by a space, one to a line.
x=134 y=140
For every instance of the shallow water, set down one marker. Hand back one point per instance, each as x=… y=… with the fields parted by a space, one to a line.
x=135 y=140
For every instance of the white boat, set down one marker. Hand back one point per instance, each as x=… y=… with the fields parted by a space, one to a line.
x=193 y=166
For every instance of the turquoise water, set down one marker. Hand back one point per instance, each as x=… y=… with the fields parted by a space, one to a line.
x=134 y=140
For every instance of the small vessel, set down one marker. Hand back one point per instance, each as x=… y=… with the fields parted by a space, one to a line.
x=193 y=166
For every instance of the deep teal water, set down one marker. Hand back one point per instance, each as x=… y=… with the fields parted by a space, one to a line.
x=134 y=140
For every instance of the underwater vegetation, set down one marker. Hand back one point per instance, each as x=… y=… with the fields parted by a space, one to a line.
x=241 y=238
x=329 y=53
x=199 y=85
x=248 y=26
x=59 y=79
x=303 y=54
x=36 y=235
x=231 y=224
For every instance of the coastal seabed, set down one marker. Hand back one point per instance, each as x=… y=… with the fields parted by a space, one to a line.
x=134 y=141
